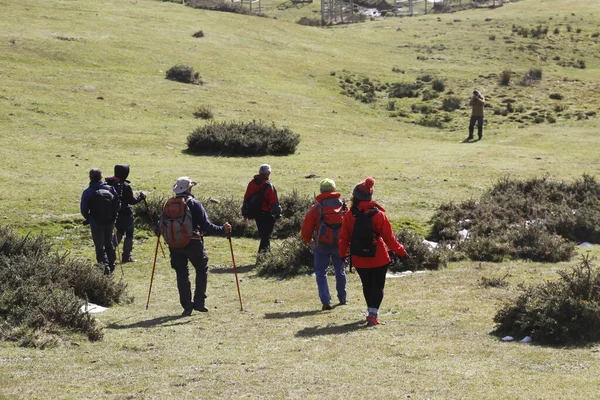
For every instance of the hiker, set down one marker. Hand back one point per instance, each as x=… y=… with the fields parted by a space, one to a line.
x=366 y=232
x=262 y=205
x=124 y=224
x=99 y=206
x=321 y=228
x=183 y=224
x=477 y=104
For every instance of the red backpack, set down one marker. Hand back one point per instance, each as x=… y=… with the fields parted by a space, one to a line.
x=176 y=222
x=331 y=215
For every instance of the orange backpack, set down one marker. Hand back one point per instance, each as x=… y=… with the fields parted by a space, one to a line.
x=331 y=215
x=176 y=222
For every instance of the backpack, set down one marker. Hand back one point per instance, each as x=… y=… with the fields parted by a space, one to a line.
x=331 y=214
x=253 y=204
x=176 y=222
x=118 y=186
x=364 y=237
x=103 y=206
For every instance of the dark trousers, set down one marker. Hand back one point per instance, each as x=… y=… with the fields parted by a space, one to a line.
x=373 y=282
x=479 y=121
x=194 y=252
x=105 y=251
x=265 y=224
x=124 y=227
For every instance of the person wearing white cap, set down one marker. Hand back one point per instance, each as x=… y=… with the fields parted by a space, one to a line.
x=270 y=209
x=194 y=252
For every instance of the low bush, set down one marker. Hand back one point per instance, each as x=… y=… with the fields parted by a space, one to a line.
x=310 y=21
x=422 y=256
x=41 y=292
x=505 y=77
x=198 y=34
x=556 y=96
x=438 y=85
x=561 y=312
x=404 y=89
x=242 y=139
x=451 y=103
x=531 y=76
x=184 y=74
x=536 y=219
x=203 y=112
x=289 y=258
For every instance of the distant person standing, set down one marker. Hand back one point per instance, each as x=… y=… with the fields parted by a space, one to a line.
x=99 y=206
x=262 y=204
x=477 y=104
x=125 y=219
x=183 y=224
x=366 y=232
x=321 y=227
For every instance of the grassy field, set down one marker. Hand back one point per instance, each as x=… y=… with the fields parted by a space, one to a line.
x=82 y=85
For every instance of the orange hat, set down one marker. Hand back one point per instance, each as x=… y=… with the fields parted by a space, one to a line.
x=363 y=191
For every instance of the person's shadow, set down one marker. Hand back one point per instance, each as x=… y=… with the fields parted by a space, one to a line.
x=331 y=329
x=163 y=321
x=471 y=140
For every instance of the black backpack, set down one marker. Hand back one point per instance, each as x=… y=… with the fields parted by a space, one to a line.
x=252 y=205
x=103 y=206
x=364 y=237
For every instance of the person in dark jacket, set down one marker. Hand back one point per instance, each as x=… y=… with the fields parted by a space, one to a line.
x=99 y=211
x=125 y=220
x=194 y=252
x=372 y=270
x=270 y=207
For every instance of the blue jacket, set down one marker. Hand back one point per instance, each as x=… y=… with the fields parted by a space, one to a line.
x=85 y=200
x=200 y=219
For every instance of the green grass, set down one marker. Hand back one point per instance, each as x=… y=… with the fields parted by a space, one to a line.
x=102 y=99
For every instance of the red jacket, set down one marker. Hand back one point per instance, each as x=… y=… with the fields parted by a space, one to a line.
x=386 y=237
x=270 y=202
x=312 y=219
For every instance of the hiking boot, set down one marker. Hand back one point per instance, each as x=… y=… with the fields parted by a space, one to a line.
x=372 y=321
x=327 y=306
x=201 y=308
x=186 y=313
x=343 y=302
x=128 y=260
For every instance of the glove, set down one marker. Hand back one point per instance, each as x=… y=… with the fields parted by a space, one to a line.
x=86 y=222
x=142 y=196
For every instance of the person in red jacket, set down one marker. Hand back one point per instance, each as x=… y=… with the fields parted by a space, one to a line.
x=366 y=232
x=270 y=209
x=321 y=228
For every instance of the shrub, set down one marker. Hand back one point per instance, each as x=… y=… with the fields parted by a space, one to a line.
x=289 y=258
x=531 y=76
x=41 y=292
x=184 y=74
x=203 y=112
x=223 y=6
x=429 y=95
x=391 y=105
x=431 y=122
x=310 y=21
x=242 y=139
x=295 y=207
x=451 y=103
x=422 y=256
x=505 y=77
x=556 y=96
x=492 y=37
x=493 y=282
x=425 y=78
x=198 y=34
x=565 y=311
x=438 y=85
x=404 y=89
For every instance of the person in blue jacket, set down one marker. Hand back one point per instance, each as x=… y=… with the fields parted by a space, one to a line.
x=99 y=207
x=194 y=252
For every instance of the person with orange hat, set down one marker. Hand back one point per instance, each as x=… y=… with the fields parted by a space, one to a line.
x=366 y=232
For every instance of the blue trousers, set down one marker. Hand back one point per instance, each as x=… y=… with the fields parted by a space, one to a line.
x=322 y=257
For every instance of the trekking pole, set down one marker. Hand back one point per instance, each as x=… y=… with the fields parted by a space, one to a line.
x=154 y=226
x=235 y=271
x=116 y=243
x=153 y=268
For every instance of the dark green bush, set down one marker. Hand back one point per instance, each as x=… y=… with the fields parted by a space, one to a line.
x=505 y=77
x=223 y=6
x=184 y=74
x=565 y=311
x=531 y=76
x=198 y=34
x=295 y=207
x=289 y=258
x=556 y=96
x=41 y=292
x=438 y=85
x=242 y=139
x=310 y=21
